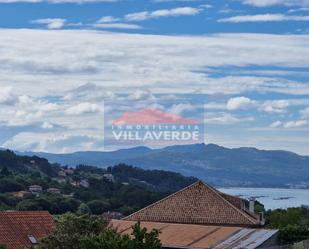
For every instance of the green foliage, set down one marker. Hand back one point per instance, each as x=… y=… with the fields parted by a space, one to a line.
x=83 y=209
x=70 y=229
x=144 y=240
x=145 y=187
x=26 y=164
x=280 y=218
x=91 y=232
x=5 y=172
x=141 y=239
x=107 y=240
x=98 y=206
x=156 y=179
x=3 y=247
x=10 y=185
x=293 y=233
x=293 y=223
x=55 y=204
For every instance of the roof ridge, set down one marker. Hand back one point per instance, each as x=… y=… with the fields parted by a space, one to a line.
x=159 y=201
x=229 y=203
x=216 y=192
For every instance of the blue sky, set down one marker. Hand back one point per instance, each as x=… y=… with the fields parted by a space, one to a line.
x=242 y=65
x=193 y=17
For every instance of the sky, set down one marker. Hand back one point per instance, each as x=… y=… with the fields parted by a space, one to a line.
x=242 y=66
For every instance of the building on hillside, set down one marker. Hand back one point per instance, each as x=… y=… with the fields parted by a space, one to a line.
x=112 y=215
x=69 y=171
x=62 y=173
x=200 y=216
x=35 y=189
x=21 y=229
x=54 y=190
x=109 y=177
x=84 y=183
x=21 y=194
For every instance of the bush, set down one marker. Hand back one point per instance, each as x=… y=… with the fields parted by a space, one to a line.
x=92 y=232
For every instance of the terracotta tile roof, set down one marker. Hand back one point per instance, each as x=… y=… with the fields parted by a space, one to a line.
x=175 y=235
x=15 y=227
x=197 y=204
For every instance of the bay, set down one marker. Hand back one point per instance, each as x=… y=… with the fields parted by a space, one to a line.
x=272 y=198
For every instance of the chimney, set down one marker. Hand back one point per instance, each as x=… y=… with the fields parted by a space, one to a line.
x=251 y=204
x=262 y=219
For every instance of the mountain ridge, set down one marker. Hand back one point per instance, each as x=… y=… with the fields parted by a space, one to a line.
x=221 y=166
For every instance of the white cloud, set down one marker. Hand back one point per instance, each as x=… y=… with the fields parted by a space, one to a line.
x=47 y=125
x=295 y=124
x=224 y=118
x=83 y=108
x=305 y=113
x=239 y=103
x=115 y=63
x=275 y=106
x=304 y=9
x=181 y=11
x=267 y=3
x=166 y=64
x=276 y=124
x=51 y=23
x=117 y=26
x=7 y=96
x=140 y=95
x=53 y=142
x=264 y=18
x=108 y=19
x=180 y=108
x=111 y=22
x=215 y=106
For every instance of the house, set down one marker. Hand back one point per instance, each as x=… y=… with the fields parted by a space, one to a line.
x=201 y=204
x=54 y=190
x=21 y=194
x=62 y=173
x=21 y=229
x=35 y=189
x=84 y=183
x=109 y=177
x=69 y=171
x=200 y=216
x=112 y=215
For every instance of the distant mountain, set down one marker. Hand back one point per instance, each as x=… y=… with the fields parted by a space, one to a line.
x=216 y=164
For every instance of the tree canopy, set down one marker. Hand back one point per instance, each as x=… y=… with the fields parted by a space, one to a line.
x=92 y=232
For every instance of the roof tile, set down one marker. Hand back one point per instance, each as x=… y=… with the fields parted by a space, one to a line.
x=15 y=227
x=197 y=204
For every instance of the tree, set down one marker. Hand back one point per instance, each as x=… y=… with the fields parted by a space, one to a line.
x=98 y=207
x=5 y=172
x=293 y=223
x=83 y=209
x=92 y=232
x=142 y=239
x=70 y=229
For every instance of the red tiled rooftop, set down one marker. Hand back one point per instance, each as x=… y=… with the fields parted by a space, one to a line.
x=15 y=227
x=197 y=204
x=175 y=235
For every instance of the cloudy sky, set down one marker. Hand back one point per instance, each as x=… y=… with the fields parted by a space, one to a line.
x=241 y=65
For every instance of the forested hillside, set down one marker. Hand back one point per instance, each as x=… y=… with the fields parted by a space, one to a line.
x=85 y=189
